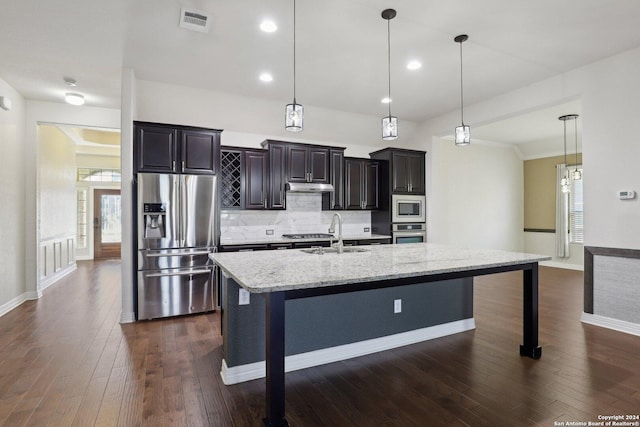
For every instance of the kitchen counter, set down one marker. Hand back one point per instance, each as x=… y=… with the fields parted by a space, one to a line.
x=280 y=239
x=269 y=271
x=339 y=305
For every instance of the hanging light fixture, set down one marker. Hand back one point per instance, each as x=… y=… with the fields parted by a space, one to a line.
x=564 y=182
x=389 y=123
x=463 y=137
x=577 y=175
x=294 y=113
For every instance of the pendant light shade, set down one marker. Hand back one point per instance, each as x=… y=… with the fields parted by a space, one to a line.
x=577 y=175
x=564 y=182
x=389 y=123
x=463 y=134
x=294 y=112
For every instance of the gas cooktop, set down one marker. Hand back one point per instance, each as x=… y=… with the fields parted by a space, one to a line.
x=309 y=236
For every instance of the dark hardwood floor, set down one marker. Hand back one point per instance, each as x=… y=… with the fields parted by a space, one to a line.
x=66 y=361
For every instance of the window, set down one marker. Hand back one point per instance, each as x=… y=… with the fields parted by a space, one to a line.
x=98 y=175
x=576 y=209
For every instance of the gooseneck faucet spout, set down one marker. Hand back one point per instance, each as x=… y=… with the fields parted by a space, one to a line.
x=332 y=229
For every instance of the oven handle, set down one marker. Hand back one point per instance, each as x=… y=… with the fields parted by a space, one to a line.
x=409 y=233
x=179 y=273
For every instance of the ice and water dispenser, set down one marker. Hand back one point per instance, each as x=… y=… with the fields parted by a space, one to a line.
x=155 y=215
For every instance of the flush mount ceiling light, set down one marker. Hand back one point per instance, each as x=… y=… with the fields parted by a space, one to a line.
x=389 y=123
x=463 y=136
x=414 y=65
x=70 y=82
x=268 y=26
x=294 y=112
x=266 y=77
x=564 y=182
x=74 y=98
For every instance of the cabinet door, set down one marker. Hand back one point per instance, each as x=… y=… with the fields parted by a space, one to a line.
x=335 y=199
x=277 y=177
x=353 y=184
x=400 y=172
x=255 y=188
x=199 y=152
x=416 y=173
x=155 y=149
x=319 y=165
x=297 y=159
x=371 y=185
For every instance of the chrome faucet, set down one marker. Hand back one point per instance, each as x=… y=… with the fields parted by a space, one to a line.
x=332 y=229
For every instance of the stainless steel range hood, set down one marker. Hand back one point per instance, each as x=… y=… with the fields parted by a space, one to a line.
x=307 y=187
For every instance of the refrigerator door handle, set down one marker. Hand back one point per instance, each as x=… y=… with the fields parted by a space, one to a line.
x=180 y=273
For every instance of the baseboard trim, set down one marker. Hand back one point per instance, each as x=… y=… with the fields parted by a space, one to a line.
x=566 y=266
x=57 y=276
x=10 y=305
x=609 y=323
x=127 y=317
x=252 y=371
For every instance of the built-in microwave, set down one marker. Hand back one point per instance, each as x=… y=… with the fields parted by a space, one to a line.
x=408 y=208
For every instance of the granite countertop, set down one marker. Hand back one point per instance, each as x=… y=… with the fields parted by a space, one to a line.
x=280 y=239
x=268 y=271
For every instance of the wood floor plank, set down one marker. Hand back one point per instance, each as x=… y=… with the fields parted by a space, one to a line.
x=66 y=361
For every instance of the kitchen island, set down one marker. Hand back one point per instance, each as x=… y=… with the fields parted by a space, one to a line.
x=299 y=274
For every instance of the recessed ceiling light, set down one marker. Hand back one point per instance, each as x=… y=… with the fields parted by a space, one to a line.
x=268 y=26
x=414 y=65
x=266 y=77
x=386 y=100
x=74 y=98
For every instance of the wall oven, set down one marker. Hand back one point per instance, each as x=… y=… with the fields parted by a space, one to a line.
x=409 y=233
x=408 y=208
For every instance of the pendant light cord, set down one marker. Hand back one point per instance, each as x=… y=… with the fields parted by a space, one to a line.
x=461 y=89
x=565 y=142
x=294 y=53
x=389 y=61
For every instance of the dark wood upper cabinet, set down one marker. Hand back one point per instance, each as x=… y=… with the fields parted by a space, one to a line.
x=334 y=200
x=361 y=188
x=276 y=175
x=255 y=183
x=163 y=148
x=156 y=148
x=406 y=170
x=199 y=152
x=307 y=163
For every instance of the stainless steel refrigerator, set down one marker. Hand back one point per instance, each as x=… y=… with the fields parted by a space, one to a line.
x=177 y=228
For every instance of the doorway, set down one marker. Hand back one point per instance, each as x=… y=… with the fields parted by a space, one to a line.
x=107 y=223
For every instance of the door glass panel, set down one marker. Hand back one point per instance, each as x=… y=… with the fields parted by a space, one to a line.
x=412 y=239
x=110 y=218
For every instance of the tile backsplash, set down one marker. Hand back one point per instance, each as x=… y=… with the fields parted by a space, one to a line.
x=304 y=214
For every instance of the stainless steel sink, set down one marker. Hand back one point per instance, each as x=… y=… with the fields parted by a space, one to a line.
x=346 y=249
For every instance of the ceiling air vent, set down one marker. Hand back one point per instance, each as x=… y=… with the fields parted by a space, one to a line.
x=194 y=20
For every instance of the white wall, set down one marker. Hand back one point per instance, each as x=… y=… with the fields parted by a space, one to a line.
x=37 y=113
x=478 y=199
x=12 y=207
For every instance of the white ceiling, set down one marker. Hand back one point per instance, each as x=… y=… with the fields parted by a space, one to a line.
x=341 y=48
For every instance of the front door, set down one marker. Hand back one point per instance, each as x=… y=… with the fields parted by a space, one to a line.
x=107 y=229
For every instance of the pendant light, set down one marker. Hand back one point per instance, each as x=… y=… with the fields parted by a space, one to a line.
x=564 y=182
x=577 y=175
x=294 y=113
x=389 y=123
x=463 y=137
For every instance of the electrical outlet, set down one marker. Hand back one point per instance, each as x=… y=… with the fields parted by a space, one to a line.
x=244 y=297
x=397 y=306
x=269 y=232
x=366 y=229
